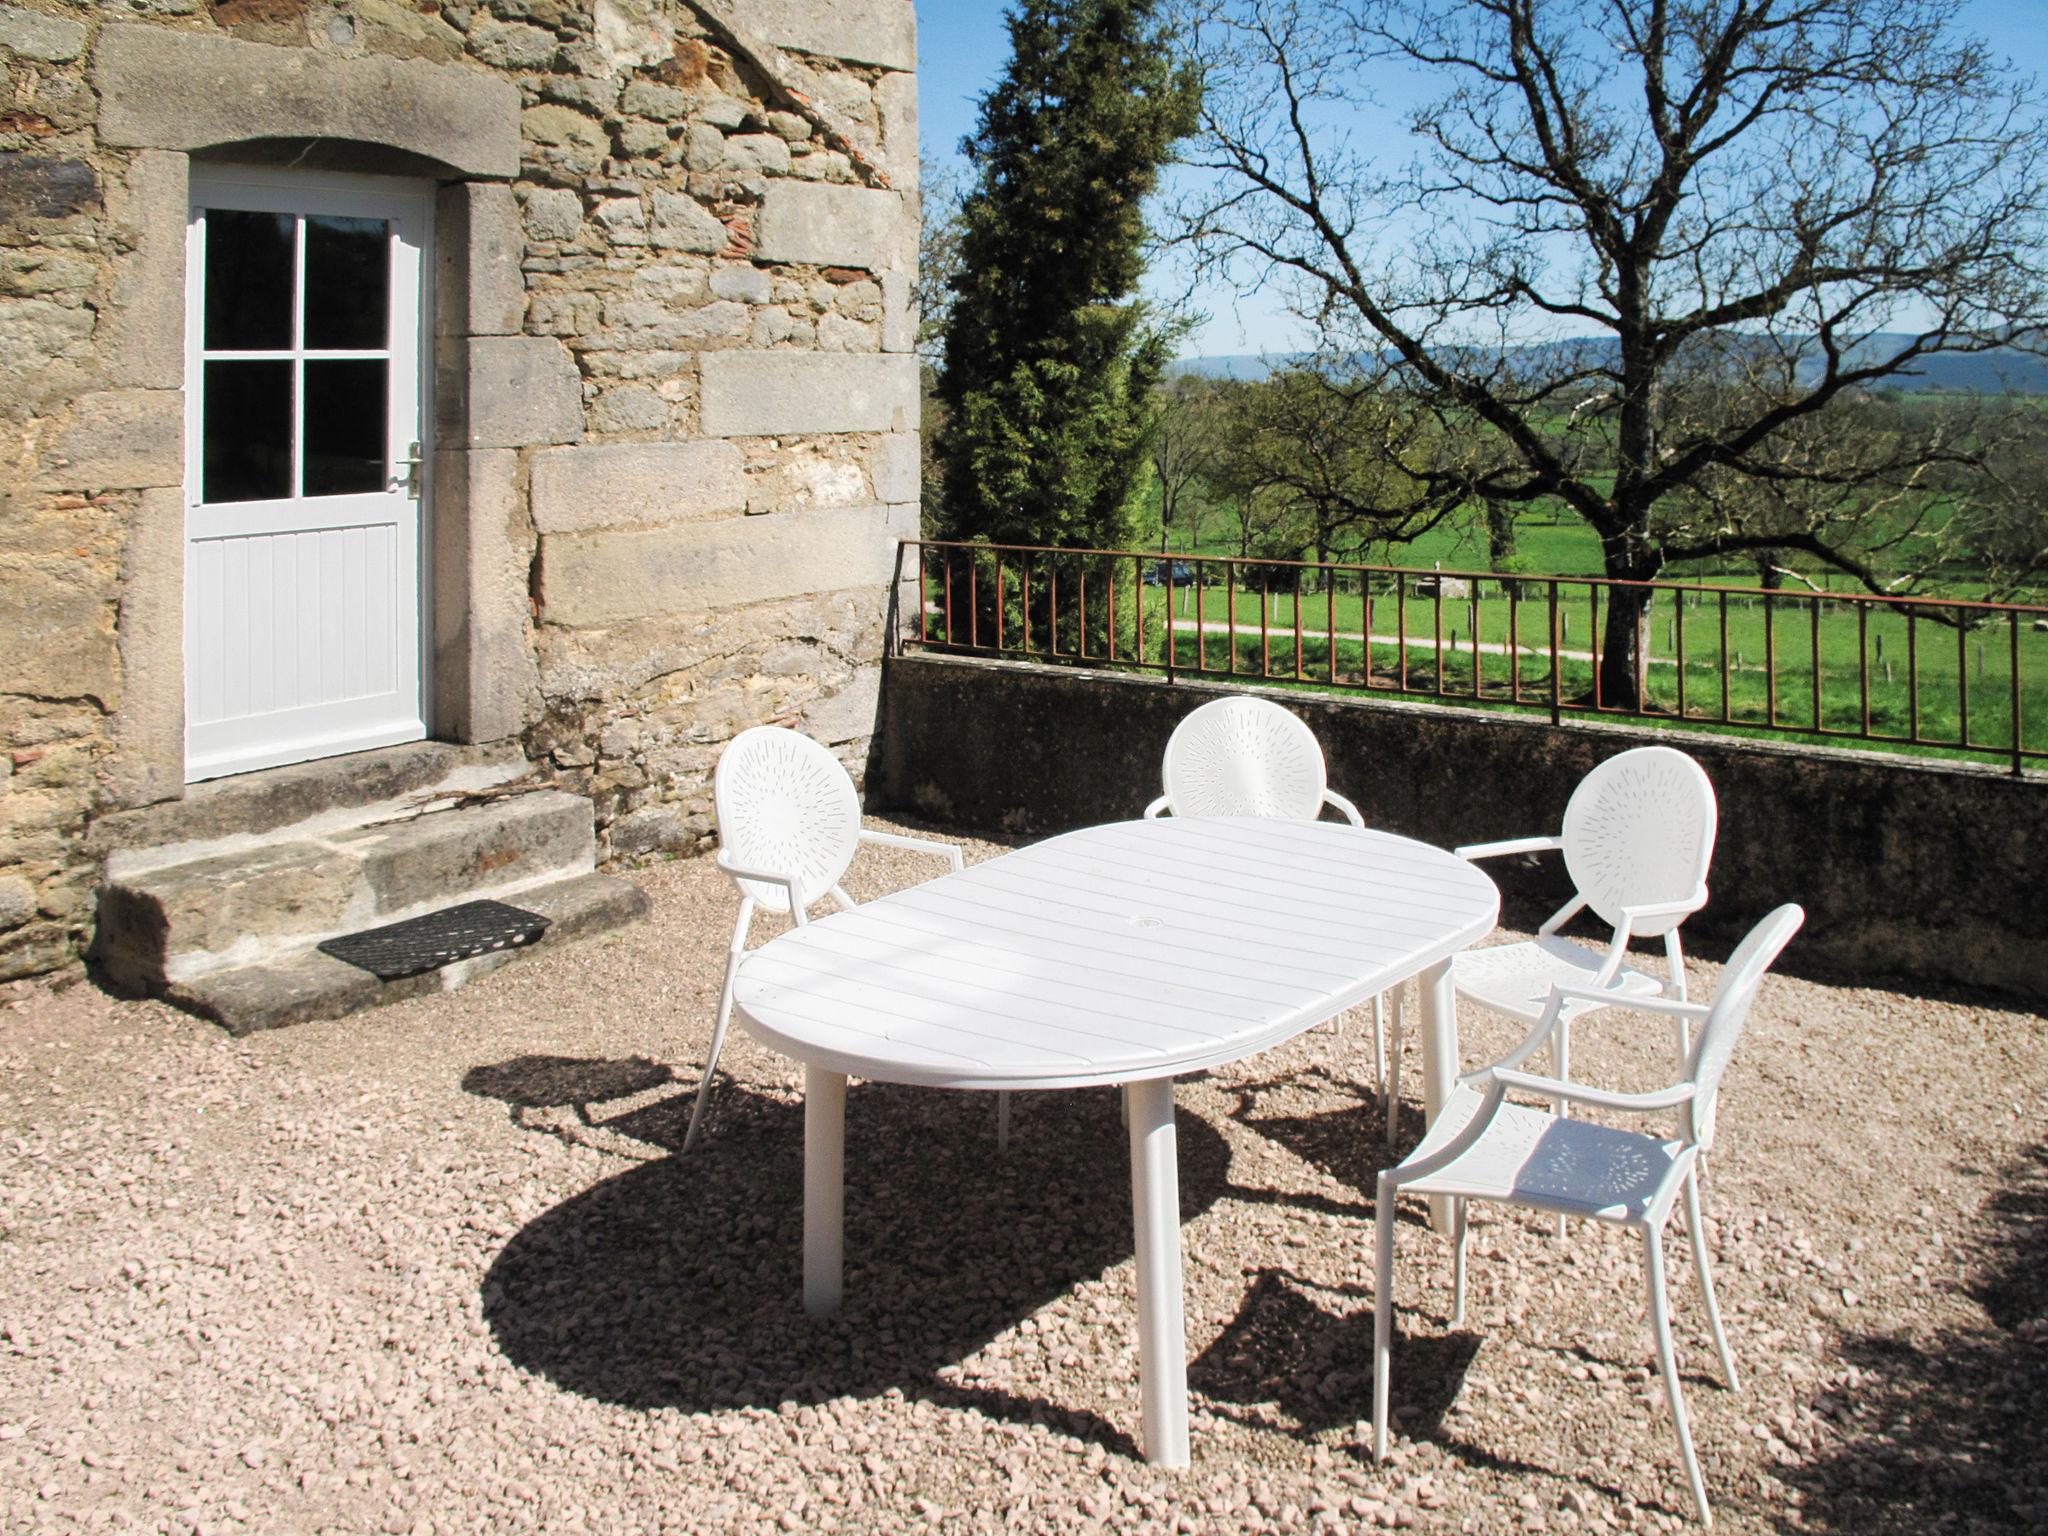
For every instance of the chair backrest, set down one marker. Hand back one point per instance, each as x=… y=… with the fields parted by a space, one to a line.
x=1740 y=978
x=785 y=804
x=1639 y=830
x=1243 y=757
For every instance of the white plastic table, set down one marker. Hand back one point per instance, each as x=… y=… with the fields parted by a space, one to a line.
x=1124 y=954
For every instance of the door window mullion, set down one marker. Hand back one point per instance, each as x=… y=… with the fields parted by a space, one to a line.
x=299 y=355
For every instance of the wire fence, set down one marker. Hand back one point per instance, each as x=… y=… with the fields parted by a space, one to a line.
x=1917 y=674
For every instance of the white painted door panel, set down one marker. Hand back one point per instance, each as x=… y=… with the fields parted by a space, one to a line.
x=304 y=548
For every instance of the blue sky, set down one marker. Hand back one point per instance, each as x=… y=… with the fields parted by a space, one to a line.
x=962 y=46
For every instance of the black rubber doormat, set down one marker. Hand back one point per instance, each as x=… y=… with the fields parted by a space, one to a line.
x=440 y=938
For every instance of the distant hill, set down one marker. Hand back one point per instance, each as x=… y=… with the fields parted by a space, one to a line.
x=1980 y=373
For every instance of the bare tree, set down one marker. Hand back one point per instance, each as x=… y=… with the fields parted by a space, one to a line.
x=1185 y=443
x=1644 y=251
x=1339 y=460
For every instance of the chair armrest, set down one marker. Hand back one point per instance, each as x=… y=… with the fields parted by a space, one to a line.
x=1579 y=1093
x=1547 y=1027
x=945 y=851
x=1648 y=909
x=1350 y=811
x=1646 y=1002
x=1512 y=845
x=1157 y=808
x=789 y=883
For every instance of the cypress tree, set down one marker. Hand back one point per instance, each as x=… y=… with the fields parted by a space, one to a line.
x=1050 y=362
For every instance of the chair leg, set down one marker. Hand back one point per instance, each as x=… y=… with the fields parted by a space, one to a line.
x=1393 y=1099
x=1459 y=1227
x=1667 y=1363
x=1697 y=1230
x=1379 y=1044
x=1382 y=1312
x=732 y=964
x=1003 y=1121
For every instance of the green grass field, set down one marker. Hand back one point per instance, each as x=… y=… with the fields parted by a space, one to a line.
x=1786 y=663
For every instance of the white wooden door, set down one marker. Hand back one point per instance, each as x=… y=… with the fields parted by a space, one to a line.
x=305 y=460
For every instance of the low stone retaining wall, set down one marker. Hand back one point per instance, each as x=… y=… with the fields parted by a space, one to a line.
x=1908 y=868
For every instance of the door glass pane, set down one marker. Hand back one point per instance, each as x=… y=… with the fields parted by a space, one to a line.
x=348 y=282
x=248 y=280
x=246 y=431
x=345 y=417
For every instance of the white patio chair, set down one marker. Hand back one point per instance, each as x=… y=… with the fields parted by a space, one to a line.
x=788 y=827
x=1249 y=757
x=1484 y=1148
x=1638 y=837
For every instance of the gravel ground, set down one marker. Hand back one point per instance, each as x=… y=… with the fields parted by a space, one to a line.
x=439 y=1268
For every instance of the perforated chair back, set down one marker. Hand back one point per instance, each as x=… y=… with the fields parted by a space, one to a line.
x=1639 y=830
x=1724 y=1023
x=784 y=803
x=1243 y=757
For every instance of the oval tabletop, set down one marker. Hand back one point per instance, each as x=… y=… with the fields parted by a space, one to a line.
x=1141 y=949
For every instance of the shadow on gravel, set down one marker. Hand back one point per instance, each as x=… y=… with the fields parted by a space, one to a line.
x=1950 y=1431
x=528 y=1083
x=1347 y=1140
x=1287 y=1350
x=677 y=1283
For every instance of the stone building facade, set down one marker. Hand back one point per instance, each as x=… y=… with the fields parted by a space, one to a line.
x=657 y=357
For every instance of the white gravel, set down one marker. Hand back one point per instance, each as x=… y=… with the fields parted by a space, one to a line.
x=438 y=1268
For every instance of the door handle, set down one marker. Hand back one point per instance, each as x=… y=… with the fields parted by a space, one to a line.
x=409 y=480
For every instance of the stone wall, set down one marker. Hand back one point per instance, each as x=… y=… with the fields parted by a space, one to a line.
x=1908 y=867
x=675 y=404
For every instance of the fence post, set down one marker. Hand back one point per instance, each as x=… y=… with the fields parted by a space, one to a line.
x=1556 y=661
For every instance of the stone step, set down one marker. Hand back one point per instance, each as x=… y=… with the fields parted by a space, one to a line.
x=303 y=799
x=254 y=903
x=304 y=985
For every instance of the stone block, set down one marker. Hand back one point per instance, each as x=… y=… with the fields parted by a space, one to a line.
x=163 y=89
x=896 y=468
x=149 y=727
x=896 y=104
x=759 y=394
x=757 y=154
x=626 y=485
x=748 y=285
x=485 y=685
x=880 y=32
x=512 y=45
x=662 y=103
x=142 y=340
x=849 y=714
x=119 y=439
x=58 y=617
x=592 y=580
x=829 y=225
x=478 y=248
x=510 y=392
x=632 y=34
x=32 y=35
x=553 y=213
x=35 y=334
x=36 y=187
x=899 y=312
x=427 y=860
x=682 y=223
x=17 y=901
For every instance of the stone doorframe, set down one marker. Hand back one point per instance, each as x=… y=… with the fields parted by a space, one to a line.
x=170 y=96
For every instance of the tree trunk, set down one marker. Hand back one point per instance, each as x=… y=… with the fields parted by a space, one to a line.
x=1500 y=533
x=1625 y=629
x=1625 y=648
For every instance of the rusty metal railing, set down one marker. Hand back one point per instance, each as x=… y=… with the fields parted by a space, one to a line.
x=1797 y=663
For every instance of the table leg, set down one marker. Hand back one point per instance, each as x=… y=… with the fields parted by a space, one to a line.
x=1155 y=1217
x=1439 y=1061
x=824 y=1189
